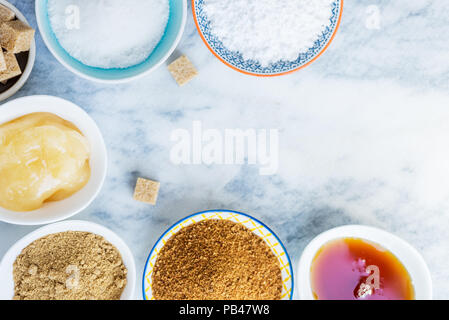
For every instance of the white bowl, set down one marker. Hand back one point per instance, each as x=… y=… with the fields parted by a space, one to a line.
x=6 y=265
x=410 y=258
x=60 y=210
x=31 y=58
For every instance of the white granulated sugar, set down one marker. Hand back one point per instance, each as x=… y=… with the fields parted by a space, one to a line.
x=268 y=30
x=111 y=33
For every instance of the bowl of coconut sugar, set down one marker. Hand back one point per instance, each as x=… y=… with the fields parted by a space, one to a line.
x=266 y=37
x=113 y=40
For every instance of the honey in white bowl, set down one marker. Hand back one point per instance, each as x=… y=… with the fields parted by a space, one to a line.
x=43 y=158
x=356 y=269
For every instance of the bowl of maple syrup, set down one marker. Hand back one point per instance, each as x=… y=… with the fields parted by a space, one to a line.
x=362 y=263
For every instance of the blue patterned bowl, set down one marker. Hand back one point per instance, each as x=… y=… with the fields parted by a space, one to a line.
x=168 y=43
x=235 y=60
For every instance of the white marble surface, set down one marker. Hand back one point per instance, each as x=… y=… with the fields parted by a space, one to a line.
x=364 y=136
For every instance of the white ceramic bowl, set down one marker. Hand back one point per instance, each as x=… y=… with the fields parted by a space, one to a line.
x=6 y=265
x=31 y=58
x=410 y=258
x=60 y=210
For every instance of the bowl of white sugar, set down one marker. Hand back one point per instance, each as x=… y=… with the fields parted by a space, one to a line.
x=266 y=37
x=111 y=41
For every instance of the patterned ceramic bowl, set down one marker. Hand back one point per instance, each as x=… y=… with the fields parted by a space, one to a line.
x=253 y=224
x=235 y=60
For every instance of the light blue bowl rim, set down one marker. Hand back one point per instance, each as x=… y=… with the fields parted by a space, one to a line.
x=208 y=211
x=173 y=33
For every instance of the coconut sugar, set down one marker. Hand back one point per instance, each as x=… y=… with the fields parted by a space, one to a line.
x=109 y=34
x=268 y=31
x=69 y=266
x=216 y=260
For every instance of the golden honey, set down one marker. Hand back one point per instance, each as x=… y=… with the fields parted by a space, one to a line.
x=43 y=158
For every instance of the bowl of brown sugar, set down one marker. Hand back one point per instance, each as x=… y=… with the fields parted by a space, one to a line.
x=17 y=52
x=218 y=255
x=70 y=260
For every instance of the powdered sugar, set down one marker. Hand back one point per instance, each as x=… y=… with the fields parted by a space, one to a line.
x=268 y=31
x=111 y=33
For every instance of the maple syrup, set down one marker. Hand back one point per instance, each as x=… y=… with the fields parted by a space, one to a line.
x=356 y=269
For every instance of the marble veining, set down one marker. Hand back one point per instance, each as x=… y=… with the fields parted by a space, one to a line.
x=363 y=136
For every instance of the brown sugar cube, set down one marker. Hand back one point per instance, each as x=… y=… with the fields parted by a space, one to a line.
x=6 y=14
x=16 y=36
x=12 y=67
x=182 y=70
x=146 y=191
x=2 y=61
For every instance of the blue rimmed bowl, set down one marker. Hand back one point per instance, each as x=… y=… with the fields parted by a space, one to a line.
x=168 y=43
x=251 y=223
x=235 y=60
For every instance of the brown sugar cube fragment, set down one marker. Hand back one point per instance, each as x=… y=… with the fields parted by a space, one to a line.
x=2 y=61
x=16 y=36
x=12 y=67
x=182 y=70
x=146 y=191
x=6 y=14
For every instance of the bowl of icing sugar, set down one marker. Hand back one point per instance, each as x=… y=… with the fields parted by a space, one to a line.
x=265 y=37
x=111 y=41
